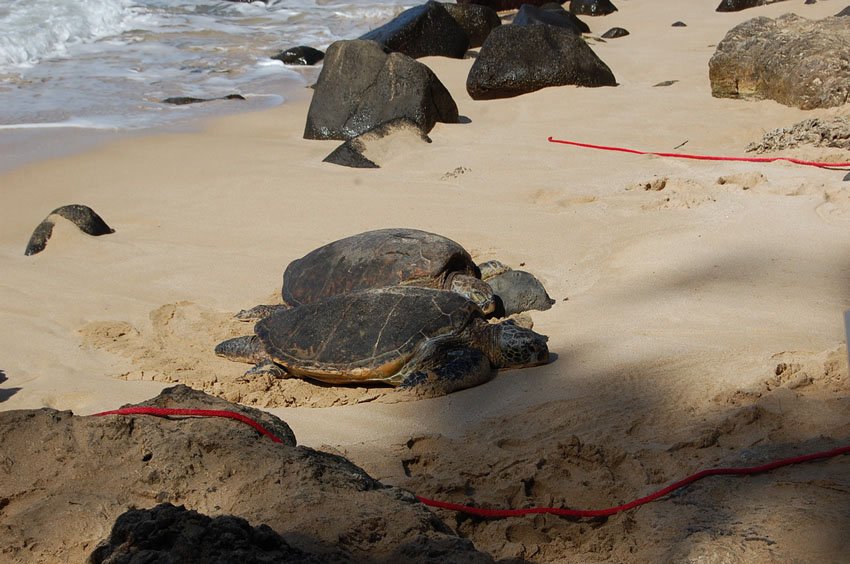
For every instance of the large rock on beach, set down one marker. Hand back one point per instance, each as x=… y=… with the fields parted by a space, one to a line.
x=738 y=5
x=476 y=20
x=592 y=7
x=380 y=144
x=73 y=477
x=790 y=59
x=362 y=86
x=423 y=31
x=550 y=14
x=518 y=59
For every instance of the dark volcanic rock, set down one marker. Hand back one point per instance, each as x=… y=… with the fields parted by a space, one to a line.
x=167 y=533
x=476 y=20
x=615 y=32
x=678 y=24
x=74 y=477
x=503 y=5
x=844 y=12
x=520 y=59
x=300 y=55
x=592 y=7
x=423 y=31
x=82 y=216
x=183 y=100
x=371 y=149
x=362 y=86
x=552 y=15
x=790 y=59
x=519 y=291
x=738 y=5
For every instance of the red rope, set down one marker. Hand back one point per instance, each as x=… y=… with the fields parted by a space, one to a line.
x=483 y=512
x=701 y=157
x=166 y=411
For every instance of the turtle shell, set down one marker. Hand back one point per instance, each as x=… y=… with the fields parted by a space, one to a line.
x=362 y=336
x=375 y=259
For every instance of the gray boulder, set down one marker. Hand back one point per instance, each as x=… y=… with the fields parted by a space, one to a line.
x=362 y=86
x=551 y=14
x=517 y=59
x=518 y=291
x=422 y=31
x=790 y=59
x=503 y=5
x=373 y=148
x=476 y=20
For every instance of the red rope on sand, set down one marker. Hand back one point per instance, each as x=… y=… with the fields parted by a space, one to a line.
x=167 y=411
x=701 y=157
x=493 y=513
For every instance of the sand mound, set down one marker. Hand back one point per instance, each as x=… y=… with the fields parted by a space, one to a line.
x=83 y=472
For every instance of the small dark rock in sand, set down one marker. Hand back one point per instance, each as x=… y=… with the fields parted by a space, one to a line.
x=738 y=5
x=615 y=32
x=370 y=149
x=300 y=55
x=679 y=24
x=82 y=216
x=666 y=83
x=422 y=31
x=183 y=100
x=592 y=7
x=551 y=14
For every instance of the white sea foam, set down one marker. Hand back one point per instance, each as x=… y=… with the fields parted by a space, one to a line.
x=31 y=30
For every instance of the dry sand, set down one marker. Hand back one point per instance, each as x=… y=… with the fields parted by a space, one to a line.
x=698 y=315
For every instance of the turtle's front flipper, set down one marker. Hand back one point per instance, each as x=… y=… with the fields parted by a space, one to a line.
x=442 y=374
x=259 y=312
x=267 y=367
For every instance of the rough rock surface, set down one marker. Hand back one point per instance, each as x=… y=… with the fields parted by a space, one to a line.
x=85 y=218
x=373 y=148
x=67 y=478
x=422 y=31
x=592 y=7
x=551 y=14
x=615 y=32
x=738 y=5
x=818 y=132
x=504 y=5
x=517 y=59
x=362 y=86
x=790 y=59
x=476 y=20
x=168 y=533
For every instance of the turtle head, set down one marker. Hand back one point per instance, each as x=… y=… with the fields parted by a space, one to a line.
x=518 y=347
x=475 y=290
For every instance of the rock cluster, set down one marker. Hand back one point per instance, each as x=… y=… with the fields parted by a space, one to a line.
x=817 y=132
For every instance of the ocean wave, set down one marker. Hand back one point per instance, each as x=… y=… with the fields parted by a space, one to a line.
x=31 y=30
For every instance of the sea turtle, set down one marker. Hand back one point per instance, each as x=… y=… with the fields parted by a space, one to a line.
x=430 y=341
x=376 y=259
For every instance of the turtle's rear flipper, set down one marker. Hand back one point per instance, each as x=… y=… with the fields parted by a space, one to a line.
x=259 y=312
x=267 y=367
x=456 y=370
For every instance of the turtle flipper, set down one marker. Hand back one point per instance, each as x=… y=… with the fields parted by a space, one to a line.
x=259 y=312
x=267 y=367
x=455 y=370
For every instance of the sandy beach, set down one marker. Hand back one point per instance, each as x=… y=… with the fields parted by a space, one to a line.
x=697 y=323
